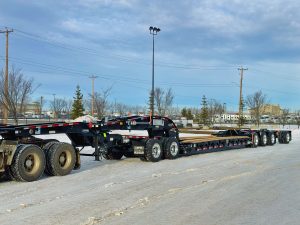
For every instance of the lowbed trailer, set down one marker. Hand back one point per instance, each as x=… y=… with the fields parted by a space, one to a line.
x=25 y=157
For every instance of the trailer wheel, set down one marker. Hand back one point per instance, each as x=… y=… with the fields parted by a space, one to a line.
x=8 y=174
x=255 y=140
x=113 y=155
x=28 y=163
x=263 y=139
x=128 y=154
x=171 y=148
x=46 y=148
x=281 y=137
x=271 y=139
x=287 y=138
x=143 y=159
x=61 y=159
x=2 y=176
x=153 y=150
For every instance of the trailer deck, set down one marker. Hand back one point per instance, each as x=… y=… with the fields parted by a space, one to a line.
x=201 y=139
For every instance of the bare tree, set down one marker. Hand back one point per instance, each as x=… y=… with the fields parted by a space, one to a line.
x=122 y=109
x=58 y=105
x=283 y=119
x=163 y=100
x=215 y=108
x=158 y=98
x=68 y=108
x=256 y=103
x=19 y=90
x=169 y=98
x=135 y=109
x=101 y=102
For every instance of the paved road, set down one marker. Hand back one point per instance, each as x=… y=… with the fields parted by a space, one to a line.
x=247 y=186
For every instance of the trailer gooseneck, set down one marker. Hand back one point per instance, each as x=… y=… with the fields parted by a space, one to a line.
x=25 y=157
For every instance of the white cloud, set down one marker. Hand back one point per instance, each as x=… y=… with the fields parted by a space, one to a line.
x=102 y=28
x=238 y=17
x=116 y=3
x=72 y=25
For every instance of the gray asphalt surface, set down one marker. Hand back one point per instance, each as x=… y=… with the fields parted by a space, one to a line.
x=246 y=186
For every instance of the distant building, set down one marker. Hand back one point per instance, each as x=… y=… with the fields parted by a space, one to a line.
x=32 y=108
x=270 y=109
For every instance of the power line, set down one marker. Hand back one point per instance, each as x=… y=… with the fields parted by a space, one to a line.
x=47 y=69
x=71 y=72
x=119 y=57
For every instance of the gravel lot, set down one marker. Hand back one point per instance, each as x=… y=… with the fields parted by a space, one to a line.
x=246 y=186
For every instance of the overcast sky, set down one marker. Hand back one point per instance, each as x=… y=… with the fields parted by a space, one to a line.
x=61 y=43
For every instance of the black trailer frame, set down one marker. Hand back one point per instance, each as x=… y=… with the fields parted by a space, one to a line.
x=162 y=140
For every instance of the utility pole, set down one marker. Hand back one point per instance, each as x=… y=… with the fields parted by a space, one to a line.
x=93 y=92
x=41 y=105
x=241 y=95
x=5 y=113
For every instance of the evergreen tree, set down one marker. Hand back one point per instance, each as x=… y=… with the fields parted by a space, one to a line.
x=77 y=107
x=184 y=112
x=189 y=114
x=204 y=112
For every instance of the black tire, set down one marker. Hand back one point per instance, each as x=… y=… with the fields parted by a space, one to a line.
x=263 y=140
x=8 y=174
x=153 y=150
x=129 y=154
x=287 y=138
x=143 y=159
x=171 y=148
x=61 y=159
x=255 y=140
x=46 y=148
x=2 y=176
x=271 y=139
x=28 y=163
x=280 y=137
x=113 y=155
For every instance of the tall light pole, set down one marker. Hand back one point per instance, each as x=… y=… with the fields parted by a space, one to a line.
x=153 y=31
